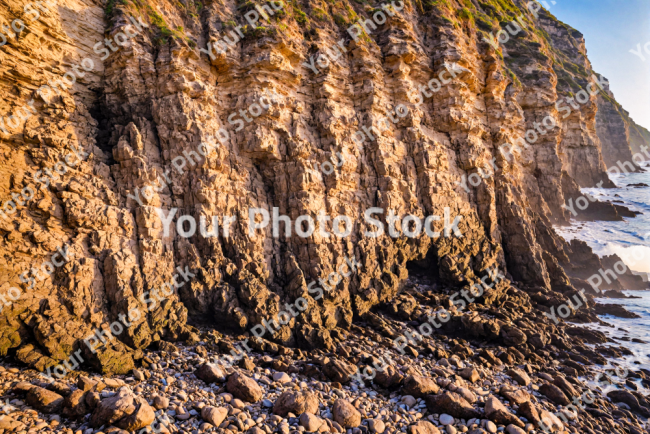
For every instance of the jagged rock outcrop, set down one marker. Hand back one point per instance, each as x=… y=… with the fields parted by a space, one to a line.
x=161 y=126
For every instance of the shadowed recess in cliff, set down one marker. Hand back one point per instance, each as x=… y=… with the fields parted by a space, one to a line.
x=425 y=270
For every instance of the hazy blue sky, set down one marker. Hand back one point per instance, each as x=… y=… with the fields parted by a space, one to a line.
x=612 y=28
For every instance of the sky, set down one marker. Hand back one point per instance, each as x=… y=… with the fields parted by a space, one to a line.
x=612 y=28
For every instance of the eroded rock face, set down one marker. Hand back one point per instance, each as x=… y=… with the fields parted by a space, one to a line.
x=619 y=135
x=150 y=133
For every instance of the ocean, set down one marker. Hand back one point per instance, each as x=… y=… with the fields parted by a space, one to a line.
x=629 y=239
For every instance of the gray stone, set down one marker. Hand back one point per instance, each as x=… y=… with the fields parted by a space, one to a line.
x=446 y=419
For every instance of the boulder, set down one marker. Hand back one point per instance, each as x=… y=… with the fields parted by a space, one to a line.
x=467 y=394
x=92 y=399
x=538 y=340
x=469 y=374
x=210 y=373
x=628 y=398
x=587 y=335
x=490 y=357
x=345 y=414
x=167 y=347
x=61 y=388
x=376 y=426
x=9 y=425
x=389 y=377
x=74 y=405
x=296 y=402
x=214 y=415
x=111 y=410
x=452 y=404
x=566 y=387
x=138 y=375
x=109 y=358
x=22 y=387
x=113 y=383
x=423 y=427
x=419 y=386
x=512 y=336
x=246 y=363
x=44 y=400
x=549 y=422
x=514 y=429
x=409 y=400
x=554 y=393
x=529 y=411
x=498 y=413
x=515 y=396
x=244 y=388
x=160 y=402
x=339 y=371
x=281 y=377
x=310 y=422
x=86 y=384
x=142 y=416
x=519 y=376
x=124 y=410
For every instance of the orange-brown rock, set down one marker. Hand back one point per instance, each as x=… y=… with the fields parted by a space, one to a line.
x=156 y=127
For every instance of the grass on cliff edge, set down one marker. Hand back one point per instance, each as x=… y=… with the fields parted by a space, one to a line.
x=163 y=31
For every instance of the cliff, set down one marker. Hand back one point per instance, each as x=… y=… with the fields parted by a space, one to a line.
x=170 y=118
x=620 y=136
